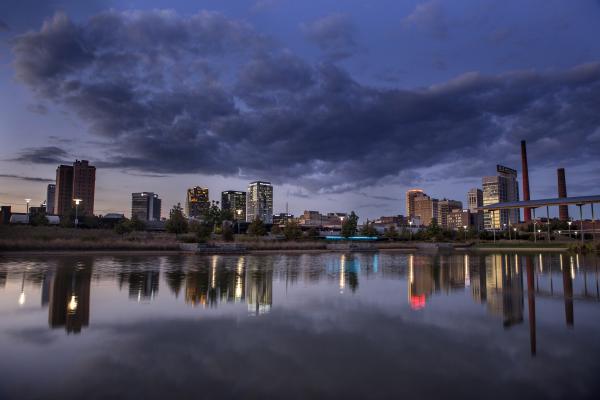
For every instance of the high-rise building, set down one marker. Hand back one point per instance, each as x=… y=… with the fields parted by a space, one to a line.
x=425 y=208
x=145 y=206
x=445 y=207
x=410 y=201
x=475 y=199
x=75 y=182
x=63 y=202
x=50 y=198
x=259 y=202
x=235 y=202
x=197 y=203
x=501 y=188
x=84 y=186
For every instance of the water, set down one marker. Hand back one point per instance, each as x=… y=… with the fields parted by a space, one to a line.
x=385 y=325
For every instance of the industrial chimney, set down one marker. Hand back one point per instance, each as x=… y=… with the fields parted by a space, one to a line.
x=563 y=211
x=525 y=172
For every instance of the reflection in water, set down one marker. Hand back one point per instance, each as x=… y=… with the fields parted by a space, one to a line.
x=69 y=305
x=493 y=280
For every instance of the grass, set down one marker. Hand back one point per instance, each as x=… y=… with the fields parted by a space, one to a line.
x=23 y=238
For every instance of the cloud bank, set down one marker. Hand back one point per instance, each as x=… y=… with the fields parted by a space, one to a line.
x=207 y=94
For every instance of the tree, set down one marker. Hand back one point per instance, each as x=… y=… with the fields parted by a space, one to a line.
x=202 y=230
x=368 y=229
x=276 y=230
x=349 y=225
x=177 y=223
x=38 y=219
x=227 y=234
x=257 y=228
x=390 y=232
x=312 y=233
x=292 y=231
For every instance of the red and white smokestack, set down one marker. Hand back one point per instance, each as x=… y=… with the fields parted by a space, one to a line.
x=525 y=172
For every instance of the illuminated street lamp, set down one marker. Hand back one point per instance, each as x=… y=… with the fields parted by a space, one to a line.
x=77 y=201
x=569 y=223
x=238 y=212
x=410 y=228
x=465 y=230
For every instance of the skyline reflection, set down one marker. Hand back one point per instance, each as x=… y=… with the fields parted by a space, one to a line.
x=496 y=281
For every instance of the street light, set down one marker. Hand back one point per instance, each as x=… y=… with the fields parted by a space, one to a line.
x=238 y=212
x=27 y=201
x=515 y=231
x=539 y=232
x=77 y=201
x=465 y=230
x=569 y=223
x=410 y=228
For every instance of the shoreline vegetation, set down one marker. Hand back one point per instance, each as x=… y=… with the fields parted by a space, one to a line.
x=20 y=239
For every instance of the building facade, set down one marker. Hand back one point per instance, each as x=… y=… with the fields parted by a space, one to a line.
x=445 y=207
x=63 y=197
x=50 y=198
x=197 y=202
x=475 y=200
x=235 y=202
x=501 y=188
x=425 y=208
x=259 y=202
x=145 y=206
x=410 y=201
x=84 y=186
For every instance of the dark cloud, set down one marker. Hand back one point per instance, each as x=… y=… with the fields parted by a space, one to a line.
x=428 y=17
x=176 y=102
x=43 y=155
x=334 y=34
x=27 y=178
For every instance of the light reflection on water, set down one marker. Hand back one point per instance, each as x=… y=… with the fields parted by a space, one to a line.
x=506 y=311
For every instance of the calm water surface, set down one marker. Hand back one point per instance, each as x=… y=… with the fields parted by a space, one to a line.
x=385 y=325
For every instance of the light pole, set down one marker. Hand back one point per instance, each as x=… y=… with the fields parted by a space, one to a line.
x=410 y=228
x=515 y=231
x=465 y=230
x=504 y=226
x=77 y=201
x=569 y=223
x=238 y=212
x=539 y=232
x=27 y=201
x=559 y=233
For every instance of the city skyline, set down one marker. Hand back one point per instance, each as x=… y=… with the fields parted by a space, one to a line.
x=315 y=98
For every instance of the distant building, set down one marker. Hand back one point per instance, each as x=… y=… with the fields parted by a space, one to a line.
x=458 y=219
x=410 y=201
x=445 y=207
x=75 y=182
x=235 y=202
x=50 y=198
x=475 y=199
x=259 y=202
x=501 y=188
x=145 y=206
x=425 y=208
x=84 y=186
x=5 y=213
x=197 y=202
x=398 y=220
x=282 y=219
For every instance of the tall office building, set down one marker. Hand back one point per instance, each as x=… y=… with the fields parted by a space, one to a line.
x=259 y=202
x=84 y=186
x=50 y=198
x=445 y=207
x=475 y=199
x=145 y=206
x=501 y=188
x=75 y=182
x=197 y=203
x=64 y=190
x=410 y=201
x=425 y=208
x=235 y=202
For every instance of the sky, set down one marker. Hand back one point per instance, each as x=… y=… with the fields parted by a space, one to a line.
x=341 y=105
